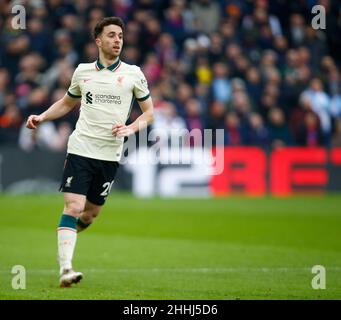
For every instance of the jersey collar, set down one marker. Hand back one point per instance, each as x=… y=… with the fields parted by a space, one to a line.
x=113 y=67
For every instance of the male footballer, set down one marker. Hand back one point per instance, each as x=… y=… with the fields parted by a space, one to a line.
x=107 y=89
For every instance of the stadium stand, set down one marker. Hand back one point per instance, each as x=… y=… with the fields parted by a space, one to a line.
x=254 y=68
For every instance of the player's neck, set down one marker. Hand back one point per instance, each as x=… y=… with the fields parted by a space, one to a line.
x=107 y=61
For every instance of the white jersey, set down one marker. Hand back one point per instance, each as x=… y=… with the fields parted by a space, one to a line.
x=107 y=96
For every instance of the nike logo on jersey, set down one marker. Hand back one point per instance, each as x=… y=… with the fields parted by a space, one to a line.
x=120 y=80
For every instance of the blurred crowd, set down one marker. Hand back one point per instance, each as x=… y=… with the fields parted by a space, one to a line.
x=257 y=69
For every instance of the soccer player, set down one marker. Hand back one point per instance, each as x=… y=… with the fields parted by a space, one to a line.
x=107 y=89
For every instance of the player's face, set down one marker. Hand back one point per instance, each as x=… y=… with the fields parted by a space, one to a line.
x=111 y=41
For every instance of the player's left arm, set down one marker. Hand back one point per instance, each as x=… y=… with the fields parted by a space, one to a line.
x=143 y=121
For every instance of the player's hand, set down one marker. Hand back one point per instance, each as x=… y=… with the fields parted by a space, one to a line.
x=33 y=121
x=121 y=130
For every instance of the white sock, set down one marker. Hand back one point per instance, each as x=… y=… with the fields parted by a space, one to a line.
x=67 y=238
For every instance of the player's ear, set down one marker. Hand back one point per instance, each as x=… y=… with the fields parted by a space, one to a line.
x=98 y=42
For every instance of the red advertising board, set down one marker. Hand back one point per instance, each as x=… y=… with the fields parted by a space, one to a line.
x=285 y=171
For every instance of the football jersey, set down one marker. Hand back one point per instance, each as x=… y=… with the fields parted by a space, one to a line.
x=107 y=96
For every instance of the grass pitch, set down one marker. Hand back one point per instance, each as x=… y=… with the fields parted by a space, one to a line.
x=227 y=248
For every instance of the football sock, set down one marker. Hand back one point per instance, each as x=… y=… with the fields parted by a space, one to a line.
x=67 y=236
x=81 y=225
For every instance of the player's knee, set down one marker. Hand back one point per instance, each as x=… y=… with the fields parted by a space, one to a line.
x=73 y=208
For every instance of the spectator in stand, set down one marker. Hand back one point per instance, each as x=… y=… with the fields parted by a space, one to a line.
x=130 y=55
x=202 y=94
x=291 y=84
x=167 y=123
x=193 y=114
x=4 y=83
x=134 y=32
x=39 y=38
x=10 y=122
x=240 y=102
x=216 y=117
x=46 y=137
x=315 y=41
x=296 y=30
x=71 y=23
x=280 y=46
x=184 y=93
x=327 y=67
x=188 y=59
x=232 y=52
x=151 y=33
x=90 y=52
x=310 y=134
x=296 y=117
x=267 y=66
x=206 y=14
x=152 y=68
x=233 y=134
x=29 y=78
x=13 y=46
x=65 y=47
x=57 y=74
x=335 y=106
x=336 y=138
x=279 y=132
x=261 y=18
x=254 y=85
x=174 y=23
x=258 y=134
x=216 y=48
x=220 y=85
x=166 y=49
x=320 y=103
x=37 y=100
x=193 y=121
x=228 y=31
x=203 y=71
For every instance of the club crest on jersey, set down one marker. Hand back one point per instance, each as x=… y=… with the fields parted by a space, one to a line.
x=68 y=182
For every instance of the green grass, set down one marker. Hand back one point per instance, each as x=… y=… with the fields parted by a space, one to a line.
x=226 y=248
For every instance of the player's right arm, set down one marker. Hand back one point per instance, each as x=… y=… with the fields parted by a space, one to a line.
x=57 y=110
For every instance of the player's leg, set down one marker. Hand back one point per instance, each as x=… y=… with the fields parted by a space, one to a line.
x=74 y=204
x=67 y=237
x=77 y=177
x=90 y=212
x=99 y=190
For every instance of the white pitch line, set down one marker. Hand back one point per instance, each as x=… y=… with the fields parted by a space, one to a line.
x=184 y=270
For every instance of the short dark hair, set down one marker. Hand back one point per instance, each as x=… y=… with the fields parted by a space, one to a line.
x=107 y=22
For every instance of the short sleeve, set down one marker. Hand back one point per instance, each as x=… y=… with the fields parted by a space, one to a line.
x=74 y=89
x=141 y=91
